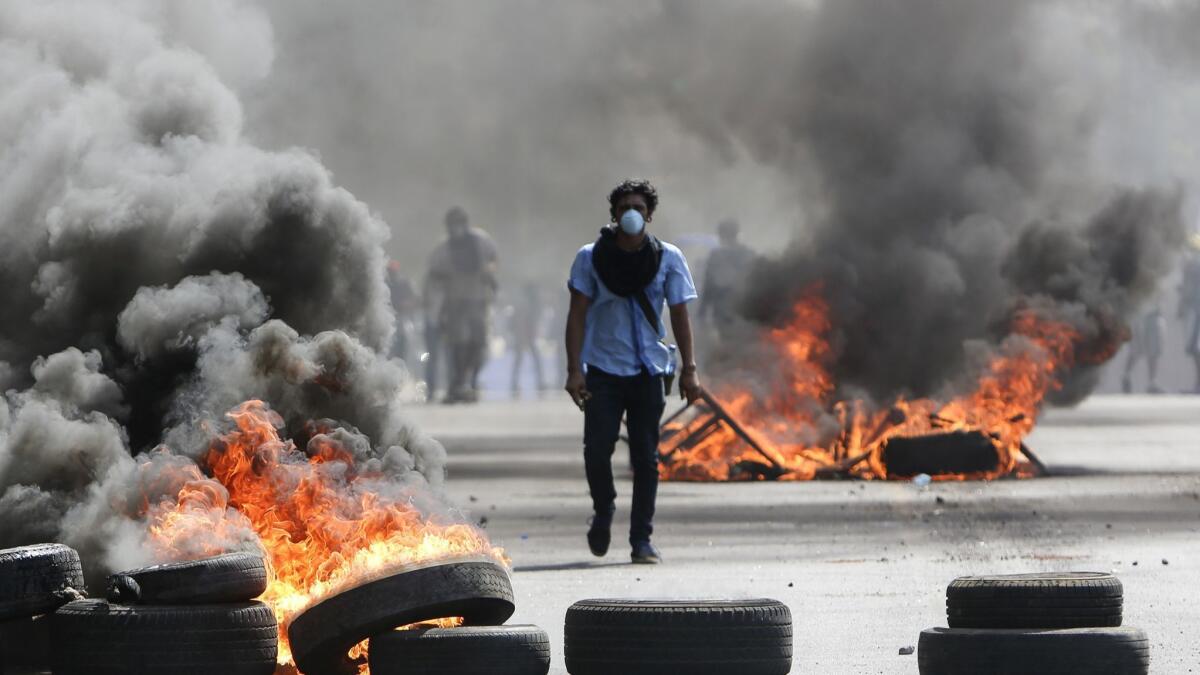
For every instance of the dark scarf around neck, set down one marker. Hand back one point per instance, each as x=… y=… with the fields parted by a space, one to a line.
x=625 y=272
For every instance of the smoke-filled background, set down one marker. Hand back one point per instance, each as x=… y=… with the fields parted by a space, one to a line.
x=167 y=251
x=912 y=153
x=158 y=269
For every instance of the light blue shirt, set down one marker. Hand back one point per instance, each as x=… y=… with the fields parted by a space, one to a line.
x=617 y=338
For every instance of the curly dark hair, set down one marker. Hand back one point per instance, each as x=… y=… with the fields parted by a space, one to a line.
x=633 y=187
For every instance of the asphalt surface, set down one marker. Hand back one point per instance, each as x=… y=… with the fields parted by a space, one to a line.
x=863 y=565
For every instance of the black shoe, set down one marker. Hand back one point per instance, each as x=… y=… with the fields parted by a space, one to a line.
x=645 y=554
x=599 y=535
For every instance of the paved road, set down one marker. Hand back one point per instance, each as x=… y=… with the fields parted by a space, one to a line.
x=863 y=565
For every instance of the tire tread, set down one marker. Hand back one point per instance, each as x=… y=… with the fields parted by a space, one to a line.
x=94 y=636
x=753 y=637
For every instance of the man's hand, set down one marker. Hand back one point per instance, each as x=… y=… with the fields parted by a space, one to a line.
x=577 y=388
x=681 y=326
x=689 y=385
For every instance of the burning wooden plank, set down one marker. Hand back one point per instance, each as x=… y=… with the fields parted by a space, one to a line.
x=706 y=441
x=790 y=420
x=708 y=419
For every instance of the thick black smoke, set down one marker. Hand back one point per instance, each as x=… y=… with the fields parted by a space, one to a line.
x=952 y=157
x=909 y=145
x=157 y=269
x=526 y=112
x=949 y=161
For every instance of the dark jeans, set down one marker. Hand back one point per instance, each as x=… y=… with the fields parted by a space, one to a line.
x=640 y=398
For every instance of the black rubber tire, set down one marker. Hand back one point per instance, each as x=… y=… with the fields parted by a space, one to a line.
x=38 y=579
x=699 y=637
x=1042 y=600
x=26 y=645
x=1059 y=616
x=477 y=589
x=233 y=577
x=93 y=636
x=470 y=650
x=1095 y=651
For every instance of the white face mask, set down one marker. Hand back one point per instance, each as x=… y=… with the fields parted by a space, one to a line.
x=632 y=222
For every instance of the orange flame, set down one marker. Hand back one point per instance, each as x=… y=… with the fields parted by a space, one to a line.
x=794 y=420
x=320 y=522
x=359 y=651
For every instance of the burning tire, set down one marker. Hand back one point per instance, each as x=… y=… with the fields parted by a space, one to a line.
x=93 y=636
x=705 y=637
x=483 y=650
x=939 y=454
x=478 y=590
x=233 y=577
x=1100 y=651
x=37 y=579
x=1055 y=600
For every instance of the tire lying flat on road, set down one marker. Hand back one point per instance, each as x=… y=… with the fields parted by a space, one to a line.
x=699 y=637
x=470 y=650
x=1095 y=651
x=93 y=636
x=1056 y=616
x=477 y=589
x=1052 y=600
x=37 y=579
x=233 y=577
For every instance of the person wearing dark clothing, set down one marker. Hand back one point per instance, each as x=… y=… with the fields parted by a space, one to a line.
x=618 y=360
x=459 y=291
x=724 y=272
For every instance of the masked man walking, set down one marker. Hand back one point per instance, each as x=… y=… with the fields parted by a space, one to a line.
x=618 y=360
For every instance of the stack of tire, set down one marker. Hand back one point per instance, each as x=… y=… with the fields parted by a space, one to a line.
x=698 y=637
x=1051 y=624
x=34 y=581
x=188 y=618
x=476 y=589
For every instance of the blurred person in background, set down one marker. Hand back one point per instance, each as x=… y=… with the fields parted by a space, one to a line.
x=460 y=288
x=1189 y=304
x=526 y=328
x=404 y=304
x=432 y=299
x=1146 y=342
x=618 y=363
x=724 y=272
